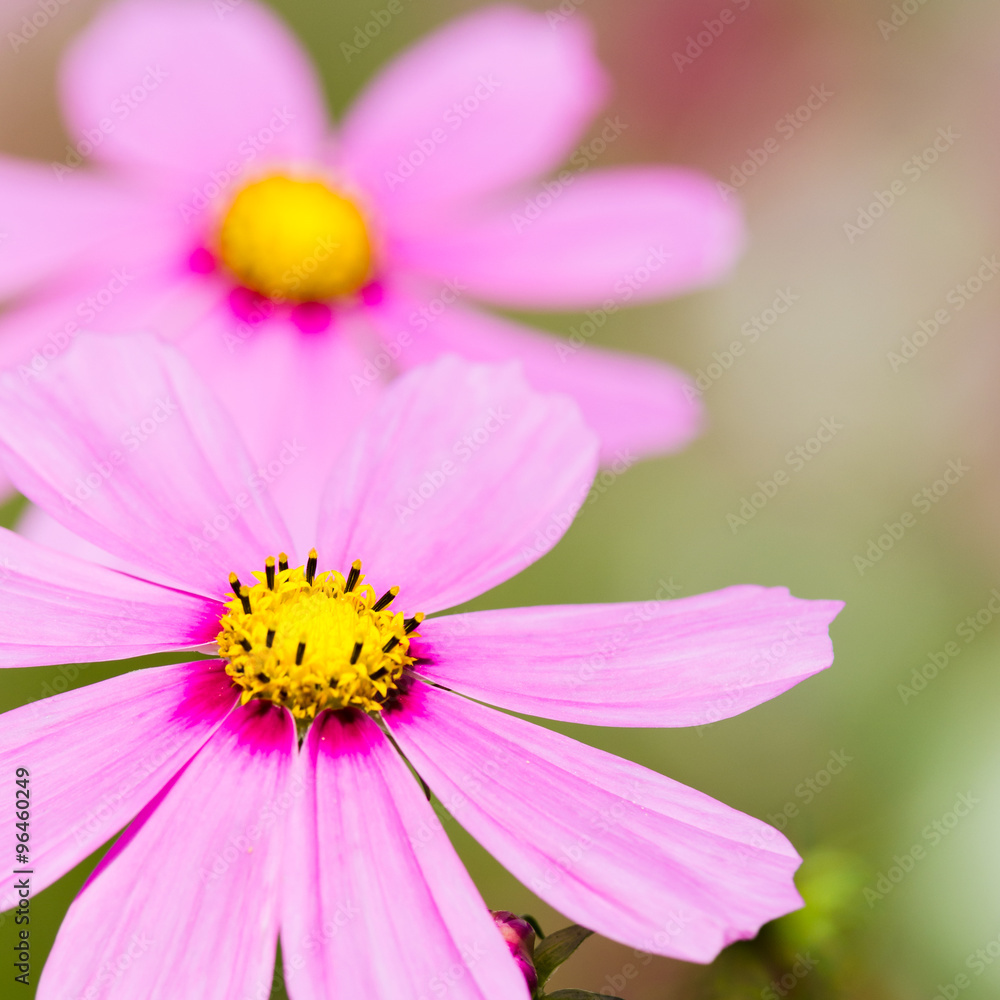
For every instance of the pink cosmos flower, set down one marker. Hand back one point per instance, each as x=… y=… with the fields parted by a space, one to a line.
x=236 y=830
x=205 y=197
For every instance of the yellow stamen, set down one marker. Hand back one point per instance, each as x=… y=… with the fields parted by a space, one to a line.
x=295 y=239
x=312 y=642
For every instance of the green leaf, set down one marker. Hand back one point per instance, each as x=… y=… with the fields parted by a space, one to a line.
x=535 y=925
x=577 y=995
x=556 y=948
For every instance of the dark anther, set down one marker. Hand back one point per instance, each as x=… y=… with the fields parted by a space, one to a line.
x=311 y=566
x=390 y=645
x=411 y=623
x=234 y=582
x=245 y=598
x=269 y=571
x=245 y=643
x=353 y=576
x=299 y=653
x=263 y=678
x=386 y=599
x=269 y=642
x=356 y=652
x=282 y=563
x=381 y=672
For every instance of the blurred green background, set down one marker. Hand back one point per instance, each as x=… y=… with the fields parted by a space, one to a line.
x=889 y=91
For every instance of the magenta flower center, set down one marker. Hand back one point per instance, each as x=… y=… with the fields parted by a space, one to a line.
x=311 y=642
x=297 y=240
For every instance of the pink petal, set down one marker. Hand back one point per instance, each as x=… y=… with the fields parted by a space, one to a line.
x=42 y=529
x=98 y=754
x=186 y=902
x=377 y=904
x=49 y=222
x=637 y=406
x=446 y=501
x=183 y=85
x=607 y=238
x=296 y=398
x=622 y=850
x=121 y=442
x=155 y=296
x=55 y=608
x=294 y=437
x=490 y=100
x=685 y=662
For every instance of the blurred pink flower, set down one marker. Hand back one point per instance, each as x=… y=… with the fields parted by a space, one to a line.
x=293 y=266
x=238 y=832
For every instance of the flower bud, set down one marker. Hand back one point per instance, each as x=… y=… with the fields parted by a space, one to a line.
x=520 y=938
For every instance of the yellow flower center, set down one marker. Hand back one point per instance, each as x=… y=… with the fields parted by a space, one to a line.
x=311 y=642
x=295 y=239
